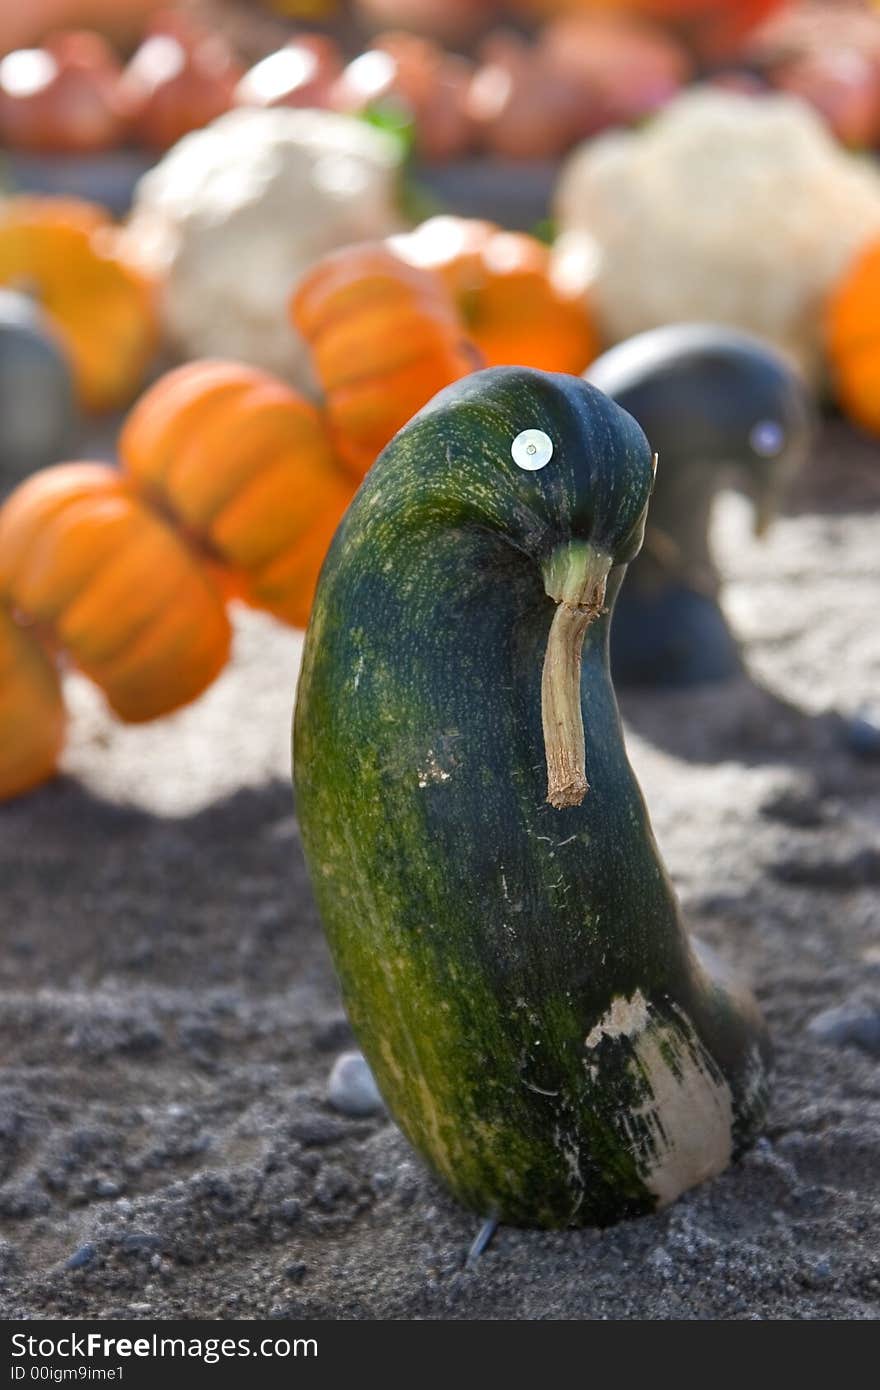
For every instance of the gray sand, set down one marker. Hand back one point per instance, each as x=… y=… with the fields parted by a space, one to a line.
x=169 y=1016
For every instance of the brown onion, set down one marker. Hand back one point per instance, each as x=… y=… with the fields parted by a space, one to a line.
x=64 y=98
x=179 y=79
x=300 y=74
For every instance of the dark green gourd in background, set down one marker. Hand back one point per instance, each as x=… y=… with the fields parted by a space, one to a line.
x=37 y=408
x=516 y=971
x=719 y=406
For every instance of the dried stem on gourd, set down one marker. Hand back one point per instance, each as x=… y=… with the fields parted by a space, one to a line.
x=561 y=711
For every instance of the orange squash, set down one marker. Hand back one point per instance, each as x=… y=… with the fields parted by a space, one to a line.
x=503 y=286
x=67 y=254
x=246 y=465
x=83 y=557
x=32 y=715
x=385 y=337
x=853 y=338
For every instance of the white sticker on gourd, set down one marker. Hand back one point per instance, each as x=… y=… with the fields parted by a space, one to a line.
x=531 y=450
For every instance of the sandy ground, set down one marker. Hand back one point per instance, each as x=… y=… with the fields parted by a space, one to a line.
x=168 y=1013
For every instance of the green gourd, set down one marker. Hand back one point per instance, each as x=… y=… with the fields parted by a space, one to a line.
x=37 y=409
x=509 y=945
x=721 y=407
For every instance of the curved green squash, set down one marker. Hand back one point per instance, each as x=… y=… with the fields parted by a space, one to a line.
x=516 y=972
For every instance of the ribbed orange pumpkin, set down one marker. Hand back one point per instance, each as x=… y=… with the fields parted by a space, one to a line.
x=32 y=718
x=247 y=466
x=85 y=558
x=853 y=338
x=67 y=254
x=385 y=337
x=503 y=287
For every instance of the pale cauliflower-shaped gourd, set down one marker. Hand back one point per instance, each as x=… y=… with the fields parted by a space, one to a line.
x=234 y=214
x=726 y=207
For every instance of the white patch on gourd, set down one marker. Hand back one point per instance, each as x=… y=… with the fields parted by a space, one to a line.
x=683 y=1132
x=624 y=1019
x=690 y=1115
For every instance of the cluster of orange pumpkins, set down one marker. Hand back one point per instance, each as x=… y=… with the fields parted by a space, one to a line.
x=232 y=483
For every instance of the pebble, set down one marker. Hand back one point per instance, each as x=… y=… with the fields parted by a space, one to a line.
x=81 y=1257
x=661 y=1260
x=860 y=869
x=351 y=1088
x=140 y=1242
x=290 y=1210
x=27 y=1199
x=317 y=1129
x=332 y=1033
x=795 y=805
x=282 y=830
x=862 y=732
x=849 y=1025
x=381 y=1183
x=334 y=1182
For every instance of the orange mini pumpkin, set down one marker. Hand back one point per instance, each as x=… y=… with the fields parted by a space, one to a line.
x=32 y=718
x=853 y=338
x=247 y=466
x=504 y=288
x=83 y=557
x=67 y=254
x=385 y=337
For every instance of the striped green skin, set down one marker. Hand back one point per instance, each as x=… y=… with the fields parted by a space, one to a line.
x=480 y=936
